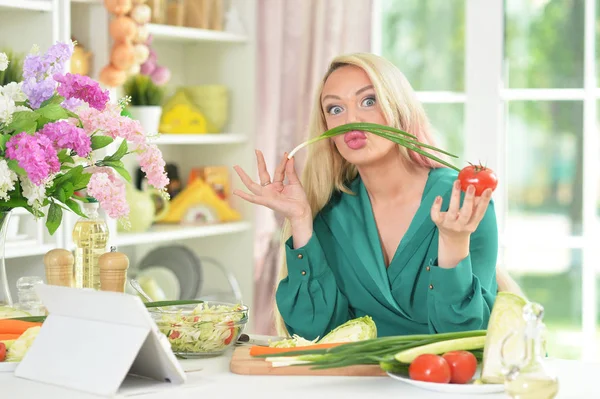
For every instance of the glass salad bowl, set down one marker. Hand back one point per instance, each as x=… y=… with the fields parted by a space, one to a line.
x=198 y=330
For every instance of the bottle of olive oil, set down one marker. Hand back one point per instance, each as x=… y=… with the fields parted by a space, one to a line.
x=532 y=378
x=90 y=236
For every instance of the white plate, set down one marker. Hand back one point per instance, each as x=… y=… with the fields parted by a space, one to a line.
x=473 y=389
x=8 y=366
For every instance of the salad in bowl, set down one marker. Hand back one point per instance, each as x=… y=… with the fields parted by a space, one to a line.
x=207 y=328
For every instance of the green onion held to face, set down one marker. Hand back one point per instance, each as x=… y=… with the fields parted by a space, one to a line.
x=395 y=135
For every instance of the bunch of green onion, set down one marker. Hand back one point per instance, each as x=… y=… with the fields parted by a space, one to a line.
x=397 y=136
x=392 y=354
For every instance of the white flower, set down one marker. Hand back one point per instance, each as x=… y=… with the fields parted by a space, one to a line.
x=3 y=62
x=35 y=194
x=7 y=180
x=13 y=90
x=7 y=108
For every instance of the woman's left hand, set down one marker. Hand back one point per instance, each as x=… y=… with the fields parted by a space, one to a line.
x=456 y=225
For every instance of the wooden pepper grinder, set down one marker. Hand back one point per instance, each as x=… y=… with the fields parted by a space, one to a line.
x=113 y=270
x=59 y=267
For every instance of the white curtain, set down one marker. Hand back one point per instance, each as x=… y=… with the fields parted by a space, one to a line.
x=296 y=41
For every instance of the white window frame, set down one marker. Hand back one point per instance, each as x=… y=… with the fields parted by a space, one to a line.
x=485 y=102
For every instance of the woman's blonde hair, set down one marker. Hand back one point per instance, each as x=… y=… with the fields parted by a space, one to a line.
x=326 y=171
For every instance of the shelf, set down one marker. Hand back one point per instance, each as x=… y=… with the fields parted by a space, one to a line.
x=33 y=5
x=20 y=249
x=161 y=233
x=180 y=33
x=199 y=139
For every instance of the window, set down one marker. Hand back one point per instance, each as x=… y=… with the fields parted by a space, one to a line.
x=521 y=91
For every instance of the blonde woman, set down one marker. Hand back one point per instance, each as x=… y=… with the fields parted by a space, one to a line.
x=377 y=229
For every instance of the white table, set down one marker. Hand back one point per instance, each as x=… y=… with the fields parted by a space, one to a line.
x=211 y=378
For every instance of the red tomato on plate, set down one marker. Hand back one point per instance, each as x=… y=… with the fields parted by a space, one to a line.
x=478 y=176
x=463 y=365
x=430 y=368
x=2 y=351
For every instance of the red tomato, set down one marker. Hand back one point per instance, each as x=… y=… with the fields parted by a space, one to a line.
x=478 y=176
x=2 y=351
x=231 y=333
x=463 y=365
x=430 y=368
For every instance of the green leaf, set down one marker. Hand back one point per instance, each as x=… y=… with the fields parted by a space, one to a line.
x=3 y=140
x=72 y=175
x=121 y=151
x=13 y=165
x=101 y=142
x=82 y=181
x=123 y=172
x=56 y=99
x=60 y=195
x=69 y=189
x=14 y=202
x=23 y=121
x=74 y=206
x=64 y=157
x=54 y=218
x=52 y=112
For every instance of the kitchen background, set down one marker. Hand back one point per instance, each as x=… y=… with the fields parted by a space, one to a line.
x=511 y=83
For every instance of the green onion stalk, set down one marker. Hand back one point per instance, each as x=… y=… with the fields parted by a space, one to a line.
x=397 y=136
x=383 y=351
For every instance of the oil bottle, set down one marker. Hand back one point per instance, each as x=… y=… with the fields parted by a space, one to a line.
x=531 y=378
x=90 y=236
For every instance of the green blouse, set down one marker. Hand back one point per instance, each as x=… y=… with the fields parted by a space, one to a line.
x=340 y=273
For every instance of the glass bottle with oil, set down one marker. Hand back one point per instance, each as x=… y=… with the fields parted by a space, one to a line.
x=90 y=236
x=530 y=378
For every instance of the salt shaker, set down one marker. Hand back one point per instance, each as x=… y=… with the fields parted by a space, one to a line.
x=113 y=270
x=59 y=267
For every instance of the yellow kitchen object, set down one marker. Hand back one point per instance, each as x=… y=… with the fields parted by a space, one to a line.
x=213 y=102
x=180 y=116
x=195 y=194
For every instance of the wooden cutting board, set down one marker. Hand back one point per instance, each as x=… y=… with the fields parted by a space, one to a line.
x=243 y=363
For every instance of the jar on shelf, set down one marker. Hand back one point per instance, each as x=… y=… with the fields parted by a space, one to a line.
x=28 y=299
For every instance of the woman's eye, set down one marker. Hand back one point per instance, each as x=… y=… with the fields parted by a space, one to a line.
x=368 y=102
x=334 y=110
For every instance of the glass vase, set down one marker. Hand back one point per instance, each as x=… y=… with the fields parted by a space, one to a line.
x=5 y=298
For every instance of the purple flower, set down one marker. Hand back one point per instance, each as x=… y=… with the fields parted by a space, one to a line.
x=34 y=67
x=67 y=136
x=83 y=88
x=38 y=91
x=57 y=58
x=72 y=104
x=35 y=154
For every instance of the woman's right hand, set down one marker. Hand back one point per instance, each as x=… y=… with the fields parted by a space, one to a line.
x=288 y=199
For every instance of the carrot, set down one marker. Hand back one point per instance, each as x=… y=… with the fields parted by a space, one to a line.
x=8 y=337
x=8 y=326
x=266 y=350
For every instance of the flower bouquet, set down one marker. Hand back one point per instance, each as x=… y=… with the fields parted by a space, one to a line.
x=52 y=125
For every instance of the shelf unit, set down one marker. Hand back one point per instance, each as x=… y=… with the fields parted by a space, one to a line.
x=195 y=57
x=28 y=5
x=180 y=34
x=200 y=139
x=165 y=233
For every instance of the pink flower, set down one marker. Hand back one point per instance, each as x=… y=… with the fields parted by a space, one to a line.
x=109 y=190
x=34 y=153
x=67 y=136
x=111 y=123
x=83 y=88
x=153 y=165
